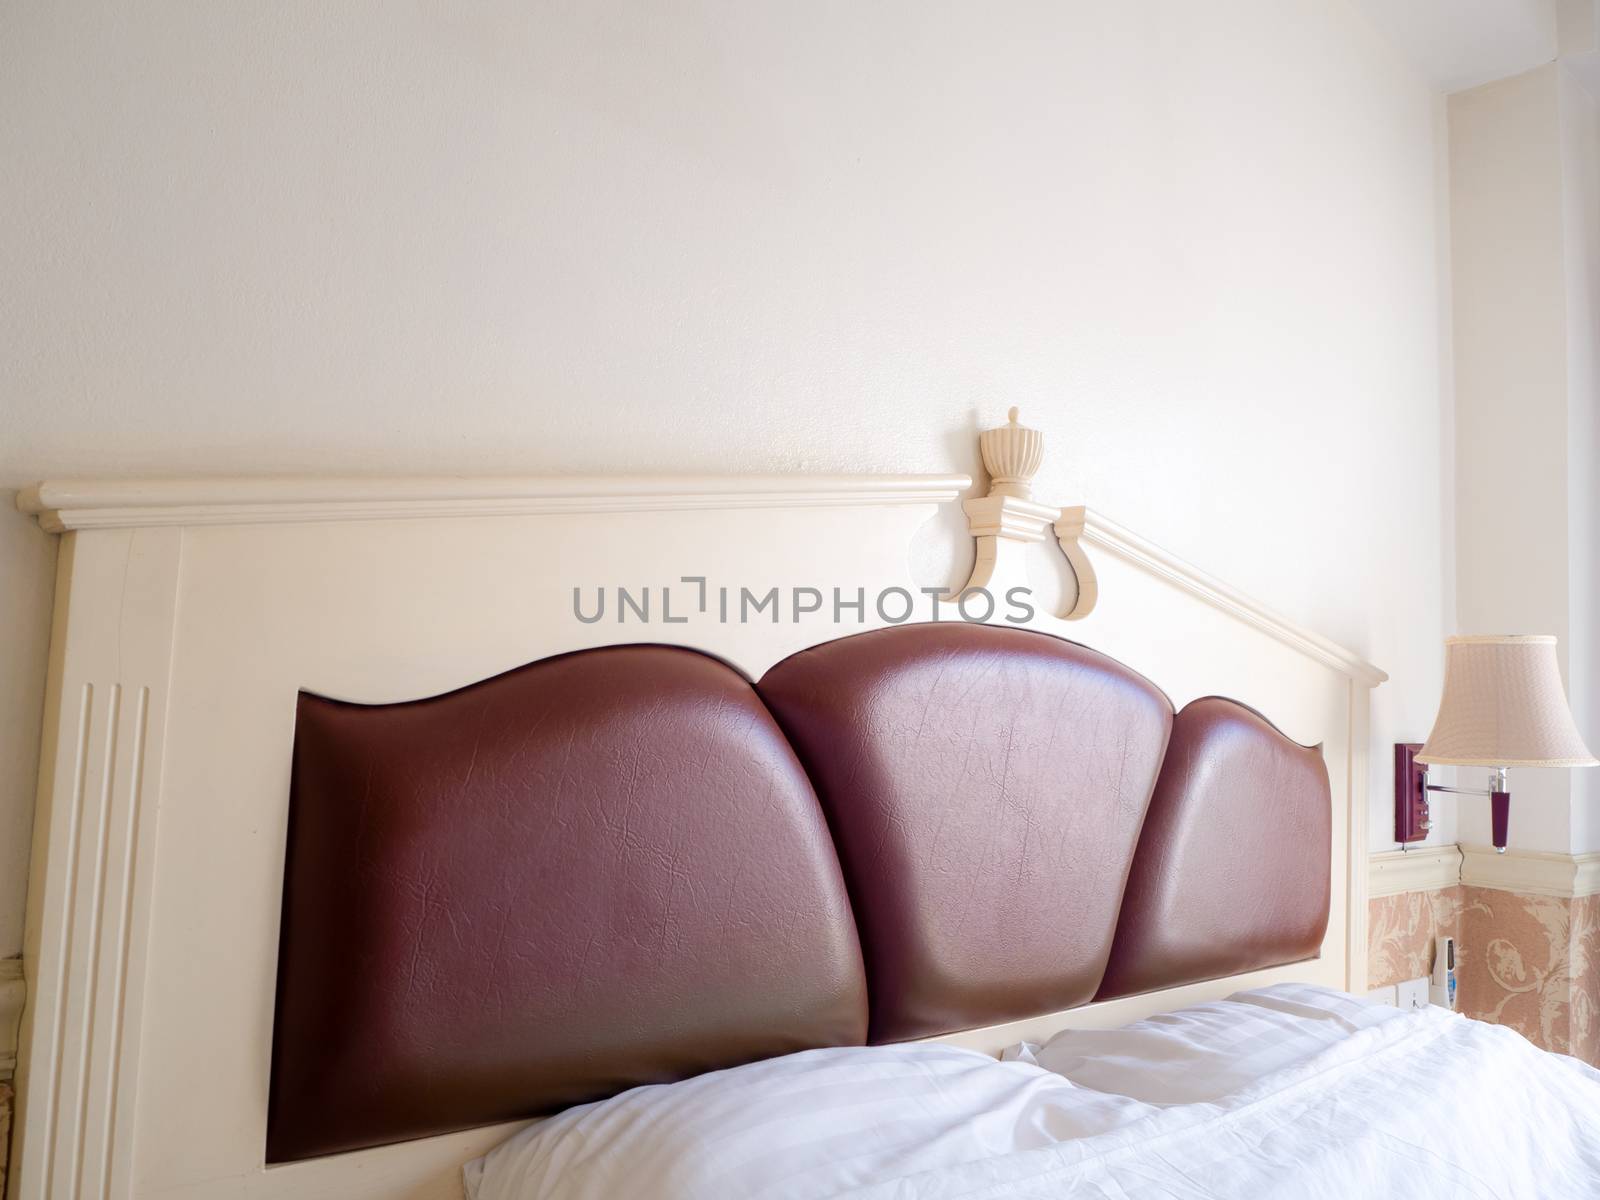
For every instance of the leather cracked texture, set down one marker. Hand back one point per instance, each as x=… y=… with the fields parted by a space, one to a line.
x=1232 y=870
x=630 y=865
x=596 y=871
x=985 y=788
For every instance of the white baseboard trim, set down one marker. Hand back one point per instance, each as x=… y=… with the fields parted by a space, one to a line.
x=1531 y=872
x=12 y=991
x=1424 y=869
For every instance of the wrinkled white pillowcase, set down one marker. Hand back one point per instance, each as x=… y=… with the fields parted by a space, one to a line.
x=1203 y=1053
x=813 y=1124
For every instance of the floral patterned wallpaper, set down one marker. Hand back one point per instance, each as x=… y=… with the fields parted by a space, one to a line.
x=1401 y=931
x=1528 y=962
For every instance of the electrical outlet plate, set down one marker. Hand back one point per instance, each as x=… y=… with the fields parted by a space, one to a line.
x=1385 y=995
x=1413 y=993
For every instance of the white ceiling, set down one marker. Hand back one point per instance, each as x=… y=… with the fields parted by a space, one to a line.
x=1459 y=44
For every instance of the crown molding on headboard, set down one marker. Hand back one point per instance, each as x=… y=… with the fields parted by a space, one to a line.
x=1006 y=521
x=64 y=505
x=1087 y=527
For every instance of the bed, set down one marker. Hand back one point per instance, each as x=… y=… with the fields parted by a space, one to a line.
x=1290 y=1090
x=361 y=845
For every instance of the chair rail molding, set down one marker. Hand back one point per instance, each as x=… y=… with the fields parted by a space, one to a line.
x=1527 y=872
x=1531 y=872
x=1424 y=869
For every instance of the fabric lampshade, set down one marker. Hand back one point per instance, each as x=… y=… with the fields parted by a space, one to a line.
x=1503 y=706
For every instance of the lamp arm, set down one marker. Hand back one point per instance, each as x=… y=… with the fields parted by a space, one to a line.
x=1411 y=788
x=1499 y=803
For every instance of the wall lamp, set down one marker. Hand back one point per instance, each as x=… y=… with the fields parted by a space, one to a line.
x=1503 y=707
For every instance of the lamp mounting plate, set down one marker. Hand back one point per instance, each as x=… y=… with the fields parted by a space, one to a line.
x=1411 y=820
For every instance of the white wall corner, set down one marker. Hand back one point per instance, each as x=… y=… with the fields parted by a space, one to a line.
x=1577 y=27
x=1580 y=151
x=1579 y=35
x=12 y=991
x=1424 y=869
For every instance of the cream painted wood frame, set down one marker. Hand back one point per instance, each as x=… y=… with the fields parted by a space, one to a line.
x=188 y=616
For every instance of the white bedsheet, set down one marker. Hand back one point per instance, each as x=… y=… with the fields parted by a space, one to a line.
x=819 y=1123
x=1420 y=1105
x=1206 y=1051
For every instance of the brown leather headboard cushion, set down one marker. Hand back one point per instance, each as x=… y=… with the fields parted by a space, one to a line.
x=1232 y=869
x=985 y=787
x=625 y=865
x=600 y=870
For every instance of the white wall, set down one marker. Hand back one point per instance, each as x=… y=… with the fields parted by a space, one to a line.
x=1580 y=126
x=1198 y=244
x=1525 y=215
x=1510 y=343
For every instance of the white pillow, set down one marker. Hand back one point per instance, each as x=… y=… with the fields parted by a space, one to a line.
x=1208 y=1051
x=808 y=1125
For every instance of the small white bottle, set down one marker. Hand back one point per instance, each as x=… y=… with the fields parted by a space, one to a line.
x=1442 y=988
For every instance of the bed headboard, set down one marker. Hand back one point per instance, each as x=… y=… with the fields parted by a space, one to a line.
x=209 y=634
x=610 y=868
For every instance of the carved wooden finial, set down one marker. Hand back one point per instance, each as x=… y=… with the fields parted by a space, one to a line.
x=1012 y=454
x=1008 y=518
